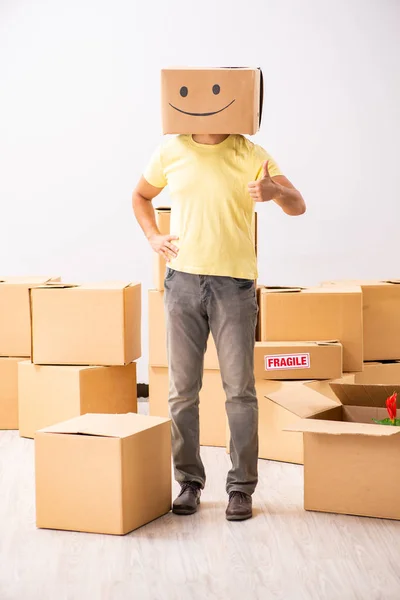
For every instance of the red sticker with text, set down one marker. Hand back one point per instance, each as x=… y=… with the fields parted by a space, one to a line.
x=287 y=361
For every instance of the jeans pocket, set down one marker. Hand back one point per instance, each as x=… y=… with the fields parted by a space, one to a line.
x=169 y=274
x=244 y=284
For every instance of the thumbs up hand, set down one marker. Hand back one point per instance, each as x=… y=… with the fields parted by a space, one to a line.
x=264 y=189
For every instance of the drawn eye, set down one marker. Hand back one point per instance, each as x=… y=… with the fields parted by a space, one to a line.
x=216 y=89
x=183 y=91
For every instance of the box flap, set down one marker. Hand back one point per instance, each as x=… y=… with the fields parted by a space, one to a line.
x=301 y=400
x=342 y=428
x=103 y=285
x=57 y=285
x=295 y=344
x=394 y=281
x=26 y=280
x=163 y=209
x=106 y=425
x=279 y=289
x=357 y=394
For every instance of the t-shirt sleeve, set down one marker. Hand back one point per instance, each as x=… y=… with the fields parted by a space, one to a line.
x=261 y=156
x=154 y=172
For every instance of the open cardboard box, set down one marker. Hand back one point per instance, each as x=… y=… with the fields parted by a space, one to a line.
x=350 y=463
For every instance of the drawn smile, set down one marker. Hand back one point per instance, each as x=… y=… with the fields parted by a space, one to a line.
x=207 y=114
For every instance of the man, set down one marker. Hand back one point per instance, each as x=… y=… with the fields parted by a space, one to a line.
x=214 y=181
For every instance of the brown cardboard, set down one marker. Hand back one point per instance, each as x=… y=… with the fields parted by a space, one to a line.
x=334 y=313
x=324 y=386
x=381 y=312
x=103 y=473
x=211 y=100
x=212 y=404
x=348 y=459
x=157 y=335
x=91 y=324
x=298 y=360
x=278 y=409
x=9 y=392
x=52 y=394
x=15 y=325
x=163 y=219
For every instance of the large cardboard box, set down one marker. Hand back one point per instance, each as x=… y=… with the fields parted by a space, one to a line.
x=211 y=100
x=212 y=404
x=15 y=323
x=320 y=313
x=298 y=360
x=91 y=324
x=103 y=473
x=158 y=335
x=381 y=308
x=350 y=463
x=52 y=394
x=163 y=220
x=9 y=392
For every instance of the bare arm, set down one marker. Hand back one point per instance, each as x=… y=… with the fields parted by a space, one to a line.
x=288 y=198
x=280 y=190
x=144 y=212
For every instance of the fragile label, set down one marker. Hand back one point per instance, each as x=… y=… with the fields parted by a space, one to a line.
x=287 y=361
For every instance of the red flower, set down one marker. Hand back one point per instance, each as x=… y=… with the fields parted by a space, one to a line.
x=391 y=406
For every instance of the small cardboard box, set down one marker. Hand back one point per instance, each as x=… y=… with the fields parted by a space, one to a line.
x=163 y=220
x=381 y=313
x=103 y=473
x=350 y=463
x=15 y=323
x=158 y=335
x=92 y=324
x=298 y=360
x=212 y=404
x=52 y=394
x=334 y=313
x=211 y=100
x=9 y=392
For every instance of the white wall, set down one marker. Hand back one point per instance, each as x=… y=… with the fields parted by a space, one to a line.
x=79 y=115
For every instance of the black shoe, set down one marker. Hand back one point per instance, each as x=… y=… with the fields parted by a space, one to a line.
x=239 y=507
x=188 y=499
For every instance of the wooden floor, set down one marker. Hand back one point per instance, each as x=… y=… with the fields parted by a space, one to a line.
x=282 y=553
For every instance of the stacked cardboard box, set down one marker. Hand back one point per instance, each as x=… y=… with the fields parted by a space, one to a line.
x=15 y=340
x=84 y=341
x=381 y=317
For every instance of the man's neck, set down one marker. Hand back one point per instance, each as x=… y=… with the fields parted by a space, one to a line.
x=209 y=138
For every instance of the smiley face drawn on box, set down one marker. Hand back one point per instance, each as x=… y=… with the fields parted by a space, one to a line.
x=218 y=100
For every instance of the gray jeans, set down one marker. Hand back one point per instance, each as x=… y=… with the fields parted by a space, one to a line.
x=196 y=305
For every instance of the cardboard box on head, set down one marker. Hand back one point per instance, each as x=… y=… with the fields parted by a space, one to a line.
x=211 y=100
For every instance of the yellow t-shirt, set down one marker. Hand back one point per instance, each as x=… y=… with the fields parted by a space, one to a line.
x=211 y=210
